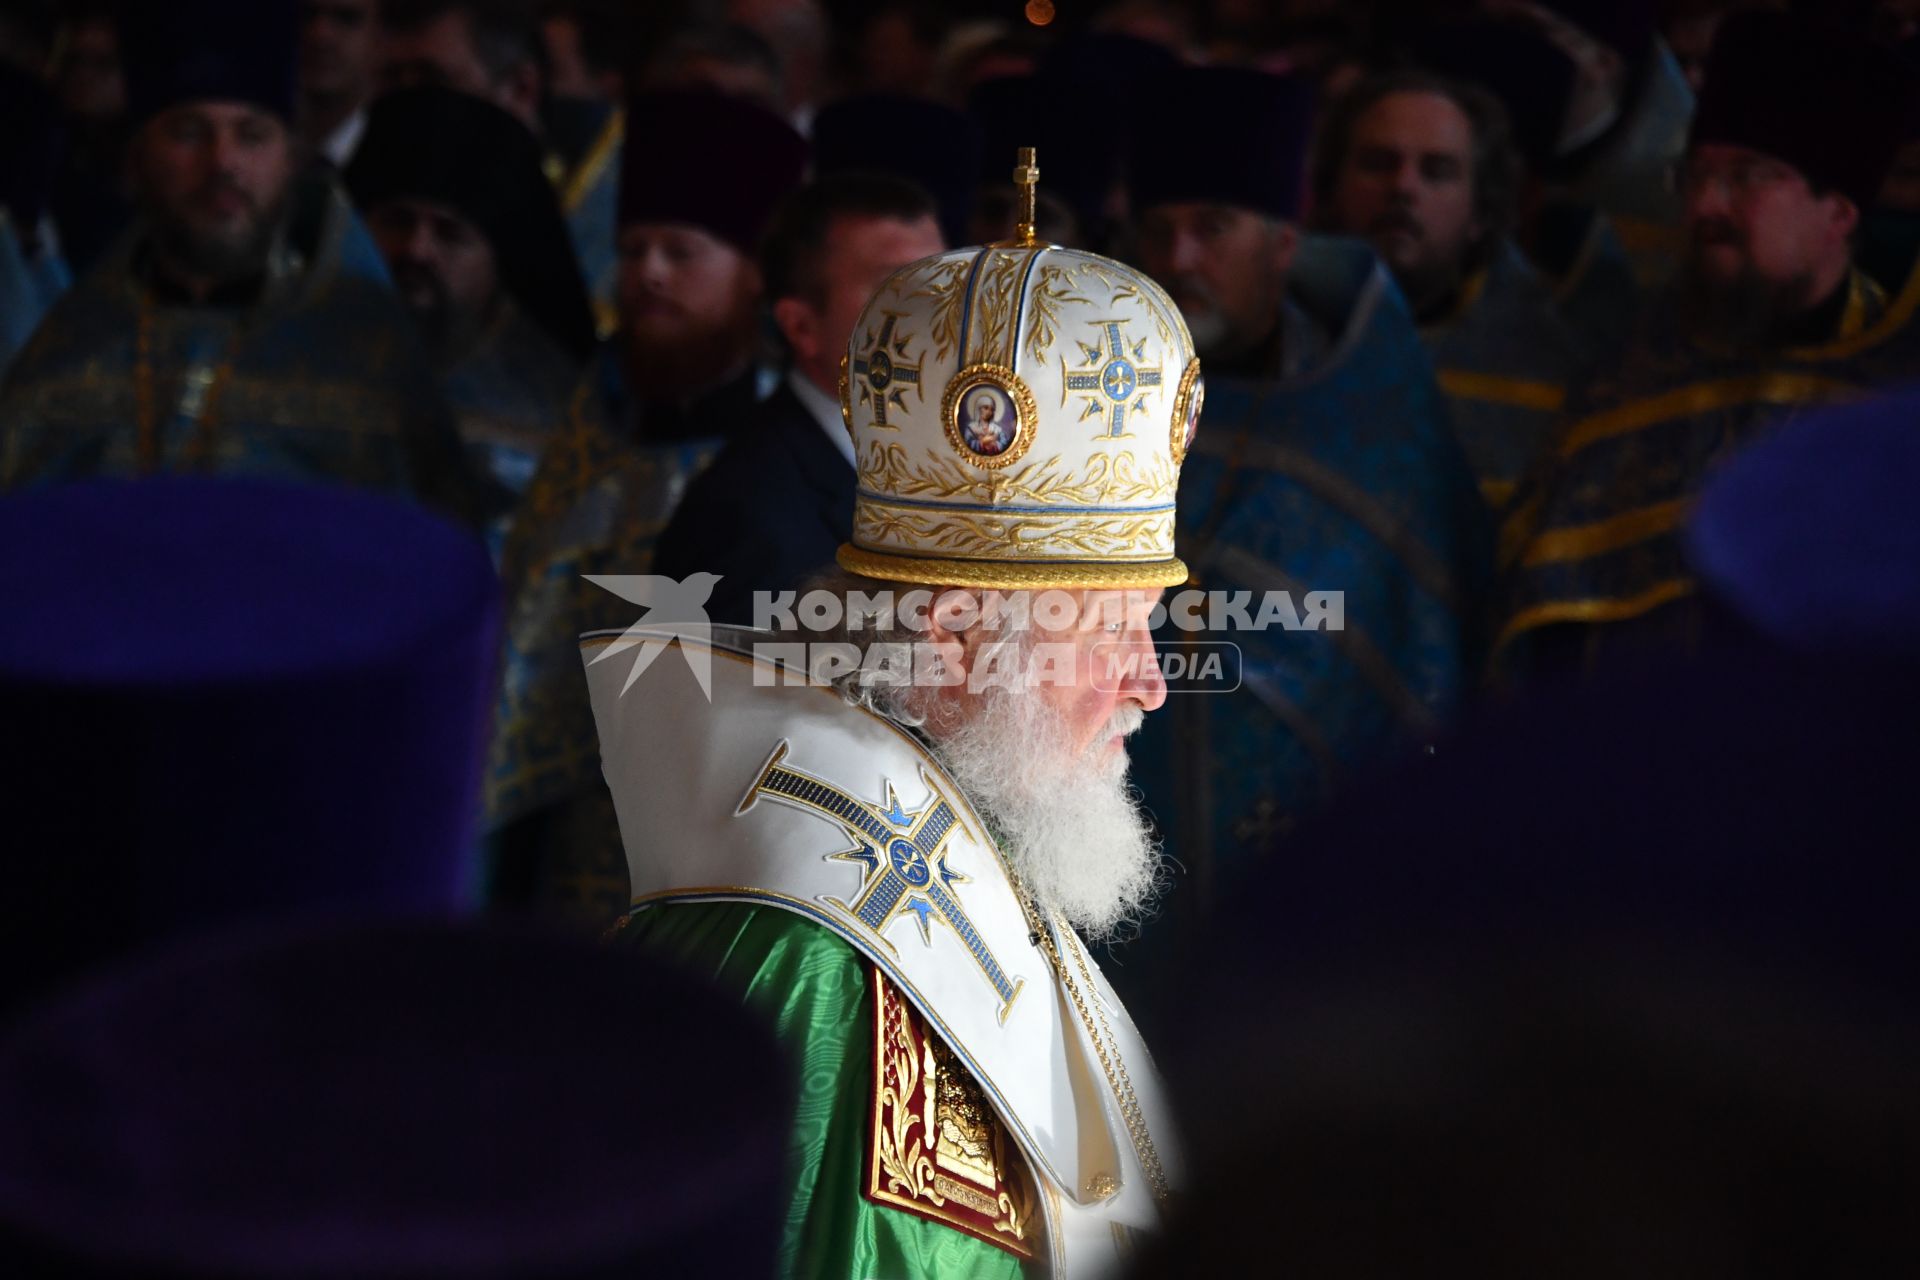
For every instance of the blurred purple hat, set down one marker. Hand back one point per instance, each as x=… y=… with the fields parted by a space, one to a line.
x=227 y=699
x=377 y=1101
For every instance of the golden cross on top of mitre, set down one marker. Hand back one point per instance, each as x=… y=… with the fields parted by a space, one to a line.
x=1026 y=180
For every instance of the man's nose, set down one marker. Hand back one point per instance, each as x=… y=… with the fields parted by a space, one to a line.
x=1707 y=194
x=224 y=152
x=654 y=267
x=1145 y=682
x=1707 y=198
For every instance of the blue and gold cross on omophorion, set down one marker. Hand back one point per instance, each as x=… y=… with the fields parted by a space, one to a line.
x=882 y=373
x=1114 y=378
x=904 y=858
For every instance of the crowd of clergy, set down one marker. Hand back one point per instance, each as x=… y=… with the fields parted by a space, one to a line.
x=1565 y=338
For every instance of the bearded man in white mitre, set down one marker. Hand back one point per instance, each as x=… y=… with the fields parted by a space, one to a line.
x=894 y=819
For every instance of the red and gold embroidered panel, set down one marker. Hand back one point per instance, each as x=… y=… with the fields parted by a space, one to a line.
x=937 y=1149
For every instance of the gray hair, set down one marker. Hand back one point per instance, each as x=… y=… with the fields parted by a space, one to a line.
x=872 y=632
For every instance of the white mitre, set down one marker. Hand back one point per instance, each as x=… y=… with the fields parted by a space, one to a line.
x=1019 y=415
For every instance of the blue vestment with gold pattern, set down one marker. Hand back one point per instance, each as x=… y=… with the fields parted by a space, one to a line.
x=597 y=504
x=1579 y=254
x=1342 y=475
x=1595 y=538
x=1504 y=358
x=510 y=394
x=32 y=278
x=319 y=377
x=590 y=197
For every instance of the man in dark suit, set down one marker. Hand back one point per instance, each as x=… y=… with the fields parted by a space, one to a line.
x=778 y=501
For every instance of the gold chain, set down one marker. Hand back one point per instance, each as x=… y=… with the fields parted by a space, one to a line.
x=1111 y=1063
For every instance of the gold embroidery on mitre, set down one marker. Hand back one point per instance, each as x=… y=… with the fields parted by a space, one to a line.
x=1019 y=343
x=1107 y=479
x=937 y=1149
x=1053 y=288
x=846 y=403
x=994 y=318
x=991 y=535
x=1187 y=404
x=946 y=284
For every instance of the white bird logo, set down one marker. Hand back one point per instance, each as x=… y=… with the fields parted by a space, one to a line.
x=674 y=608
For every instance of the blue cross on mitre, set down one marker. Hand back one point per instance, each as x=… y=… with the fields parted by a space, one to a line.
x=881 y=371
x=903 y=856
x=1114 y=376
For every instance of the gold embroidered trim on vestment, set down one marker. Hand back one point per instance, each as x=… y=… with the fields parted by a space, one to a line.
x=1700 y=397
x=1582 y=542
x=1599 y=609
x=937 y=1149
x=1521 y=393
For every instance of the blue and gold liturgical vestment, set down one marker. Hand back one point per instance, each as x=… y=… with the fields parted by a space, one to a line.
x=1592 y=554
x=590 y=197
x=597 y=504
x=1504 y=358
x=509 y=395
x=319 y=377
x=32 y=278
x=1341 y=475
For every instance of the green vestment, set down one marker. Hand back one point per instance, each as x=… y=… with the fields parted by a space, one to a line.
x=817 y=992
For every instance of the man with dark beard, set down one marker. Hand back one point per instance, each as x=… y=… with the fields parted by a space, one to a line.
x=1770 y=313
x=1330 y=467
x=689 y=288
x=453 y=192
x=1423 y=168
x=229 y=330
x=658 y=401
x=914 y=869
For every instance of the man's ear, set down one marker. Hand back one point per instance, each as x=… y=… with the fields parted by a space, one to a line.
x=799 y=324
x=952 y=629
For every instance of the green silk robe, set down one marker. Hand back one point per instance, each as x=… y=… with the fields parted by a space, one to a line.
x=817 y=991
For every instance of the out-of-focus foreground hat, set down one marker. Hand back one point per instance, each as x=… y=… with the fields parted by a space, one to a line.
x=379 y=1101
x=225 y=699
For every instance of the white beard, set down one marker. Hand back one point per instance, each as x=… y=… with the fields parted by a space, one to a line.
x=1070 y=824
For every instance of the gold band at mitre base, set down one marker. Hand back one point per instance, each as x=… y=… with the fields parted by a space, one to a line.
x=997 y=575
x=1019 y=414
